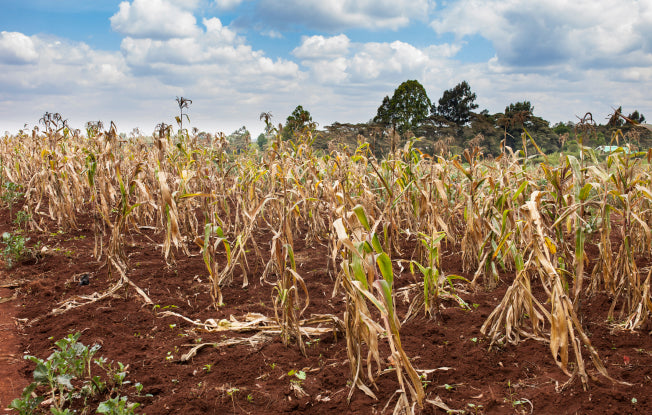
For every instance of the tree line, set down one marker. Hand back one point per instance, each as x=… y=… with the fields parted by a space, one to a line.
x=451 y=124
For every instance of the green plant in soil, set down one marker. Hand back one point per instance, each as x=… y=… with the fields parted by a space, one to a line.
x=11 y=193
x=54 y=376
x=71 y=361
x=117 y=406
x=15 y=249
x=27 y=404
x=22 y=218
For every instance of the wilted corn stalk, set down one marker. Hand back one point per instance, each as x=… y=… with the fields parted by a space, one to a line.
x=566 y=332
x=507 y=320
x=169 y=215
x=208 y=254
x=581 y=194
x=99 y=225
x=474 y=230
x=499 y=217
x=368 y=275
x=116 y=256
x=631 y=198
x=287 y=292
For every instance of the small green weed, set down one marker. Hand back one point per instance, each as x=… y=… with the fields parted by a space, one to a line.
x=298 y=376
x=475 y=407
x=514 y=401
x=15 y=249
x=22 y=217
x=27 y=404
x=117 y=406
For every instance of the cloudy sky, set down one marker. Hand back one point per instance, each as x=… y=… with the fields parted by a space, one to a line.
x=126 y=61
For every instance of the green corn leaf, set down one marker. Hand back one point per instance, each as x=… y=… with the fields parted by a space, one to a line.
x=227 y=248
x=385 y=266
x=425 y=271
x=520 y=190
x=502 y=242
x=503 y=224
x=291 y=255
x=452 y=277
x=375 y=242
x=370 y=296
x=362 y=217
x=584 y=193
x=386 y=290
x=131 y=208
x=358 y=271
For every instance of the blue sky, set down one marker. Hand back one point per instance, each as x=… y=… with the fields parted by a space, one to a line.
x=126 y=61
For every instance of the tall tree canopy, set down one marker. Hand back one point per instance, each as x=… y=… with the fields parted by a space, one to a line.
x=456 y=104
x=299 y=122
x=519 y=116
x=240 y=138
x=636 y=117
x=522 y=110
x=407 y=109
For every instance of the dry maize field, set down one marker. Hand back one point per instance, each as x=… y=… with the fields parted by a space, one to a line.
x=290 y=280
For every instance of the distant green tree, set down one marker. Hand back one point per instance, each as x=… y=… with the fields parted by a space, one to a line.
x=240 y=138
x=519 y=117
x=485 y=124
x=636 y=117
x=261 y=141
x=520 y=111
x=385 y=114
x=561 y=128
x=516 y=117
x=298 y=123
x=456 y=104
x=407 y=109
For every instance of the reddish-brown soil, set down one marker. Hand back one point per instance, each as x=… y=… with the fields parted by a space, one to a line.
x=10 y=350
x=253 y=378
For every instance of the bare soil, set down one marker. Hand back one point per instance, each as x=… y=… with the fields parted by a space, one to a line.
x=254 y=378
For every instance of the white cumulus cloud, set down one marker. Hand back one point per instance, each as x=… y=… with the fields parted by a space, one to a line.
x=544 y=33
x=217 y=51
x=322 y=47
x=16 y=48
x=155 y=19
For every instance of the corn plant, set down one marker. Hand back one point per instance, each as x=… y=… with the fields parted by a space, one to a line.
x=287 y=291
x=566 y=332
x=116 y=256
x=631 y=198
x=368 y=276
x=10 y=195
x=436 y=285
x=208 y=254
